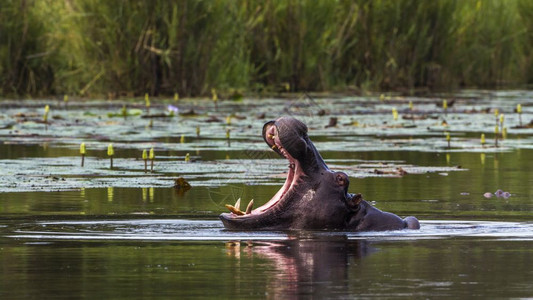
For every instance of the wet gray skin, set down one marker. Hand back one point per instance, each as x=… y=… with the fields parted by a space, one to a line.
x=313 y=196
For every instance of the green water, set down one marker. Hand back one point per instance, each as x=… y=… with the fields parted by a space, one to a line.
x=40 y=265
x=130 y=234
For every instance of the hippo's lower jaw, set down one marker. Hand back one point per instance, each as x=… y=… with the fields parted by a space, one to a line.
x=313 y=196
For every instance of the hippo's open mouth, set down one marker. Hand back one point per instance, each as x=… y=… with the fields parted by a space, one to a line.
x=272 y=138
x=313 y=196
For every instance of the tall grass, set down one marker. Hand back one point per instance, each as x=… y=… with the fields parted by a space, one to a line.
x=122 y=47
x=23 y=68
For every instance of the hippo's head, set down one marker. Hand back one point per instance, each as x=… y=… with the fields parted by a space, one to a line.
x=313 y=196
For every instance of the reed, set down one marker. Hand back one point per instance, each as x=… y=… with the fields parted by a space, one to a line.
x=190 y=47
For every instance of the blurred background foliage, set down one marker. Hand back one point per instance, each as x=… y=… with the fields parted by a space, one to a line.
x=124 y=47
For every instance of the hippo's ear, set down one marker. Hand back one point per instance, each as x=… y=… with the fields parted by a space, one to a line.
x=265 y=129
x=353 y=201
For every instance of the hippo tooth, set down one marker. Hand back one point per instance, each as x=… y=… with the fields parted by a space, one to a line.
x=234 y=210
x=274 y=147
x=271 y=136
x=238 y=204
x=250 y=207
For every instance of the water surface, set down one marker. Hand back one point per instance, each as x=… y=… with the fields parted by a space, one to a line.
x=94 y=232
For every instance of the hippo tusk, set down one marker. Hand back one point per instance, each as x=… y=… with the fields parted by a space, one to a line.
x=237 y=208
x=250 y=207
x=234 y=210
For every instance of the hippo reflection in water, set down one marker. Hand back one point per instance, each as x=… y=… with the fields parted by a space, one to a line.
x=313 y=196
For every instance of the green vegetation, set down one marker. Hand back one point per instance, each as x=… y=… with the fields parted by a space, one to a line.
x=115 y=48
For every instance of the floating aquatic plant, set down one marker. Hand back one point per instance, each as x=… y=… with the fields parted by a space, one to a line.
x=176 y=97
x=173 y=110
x=502 y=119
x=152 y=158
x=519 y=111
x=124 y=111
x=145 y=158
x=394 y=114
x=147 y=102
x=110 y=153
x=496 y=134
x=214 y=97
x=45 y=115
x=82 y=152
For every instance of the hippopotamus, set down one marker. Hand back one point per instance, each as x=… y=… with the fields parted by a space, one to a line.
x=313 y=196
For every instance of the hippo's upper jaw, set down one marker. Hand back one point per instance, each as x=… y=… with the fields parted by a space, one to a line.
x=313 y=196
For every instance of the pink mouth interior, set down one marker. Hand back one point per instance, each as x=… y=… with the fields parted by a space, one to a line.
x=272 y=138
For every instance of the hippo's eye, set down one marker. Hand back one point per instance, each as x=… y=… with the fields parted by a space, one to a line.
x=340 y=179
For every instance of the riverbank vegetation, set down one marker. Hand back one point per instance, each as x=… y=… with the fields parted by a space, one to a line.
x=116 y=48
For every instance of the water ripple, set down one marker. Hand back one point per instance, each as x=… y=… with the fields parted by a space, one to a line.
x=210 y=230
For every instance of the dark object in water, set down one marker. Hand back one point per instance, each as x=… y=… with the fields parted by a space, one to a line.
x=499 y=193
x=155 y=116
x=181 y=184
x=398 y=171
x=8 y=125
x=213 y=119
x=332 y=122
x=449 y=103
x=189 y=113
x=529 y=125
x=414 y=117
